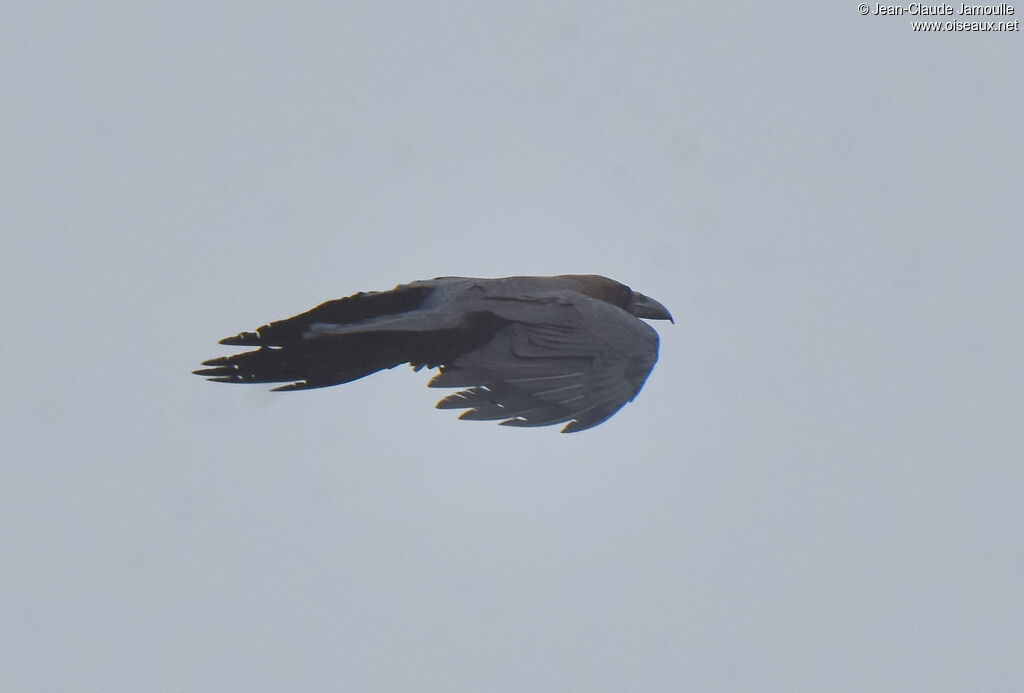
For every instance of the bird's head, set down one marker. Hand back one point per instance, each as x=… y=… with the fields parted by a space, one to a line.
x=616 y=293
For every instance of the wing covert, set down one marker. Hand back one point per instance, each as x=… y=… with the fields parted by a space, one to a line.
x=577 y=362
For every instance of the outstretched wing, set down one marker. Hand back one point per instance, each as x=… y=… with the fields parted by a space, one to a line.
x=349 y=338
x=573 y=361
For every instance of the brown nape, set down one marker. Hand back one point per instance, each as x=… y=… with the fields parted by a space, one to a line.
x=601 y=288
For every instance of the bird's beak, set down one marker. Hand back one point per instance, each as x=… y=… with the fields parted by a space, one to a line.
x=644 y=307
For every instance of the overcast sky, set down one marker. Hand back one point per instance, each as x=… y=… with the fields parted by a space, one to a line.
x=819 y=489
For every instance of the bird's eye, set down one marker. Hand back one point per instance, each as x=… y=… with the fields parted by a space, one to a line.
x=624 y=297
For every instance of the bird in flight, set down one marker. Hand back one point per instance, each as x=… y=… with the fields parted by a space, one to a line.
x=529 y=351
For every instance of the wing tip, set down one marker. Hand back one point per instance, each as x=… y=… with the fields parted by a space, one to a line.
x=215 y=372
x=242 y=339
x=290 y=387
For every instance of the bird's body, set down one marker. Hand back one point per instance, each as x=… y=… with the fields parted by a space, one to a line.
x=530 y=351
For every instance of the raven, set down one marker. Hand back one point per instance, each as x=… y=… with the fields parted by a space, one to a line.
x=530 y=351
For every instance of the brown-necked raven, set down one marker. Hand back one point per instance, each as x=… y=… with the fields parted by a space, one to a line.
x=530 y=351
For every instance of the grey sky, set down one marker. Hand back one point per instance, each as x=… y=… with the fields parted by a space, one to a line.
x=819 y=488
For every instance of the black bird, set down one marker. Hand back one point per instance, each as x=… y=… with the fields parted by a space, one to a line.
x=530 y=351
